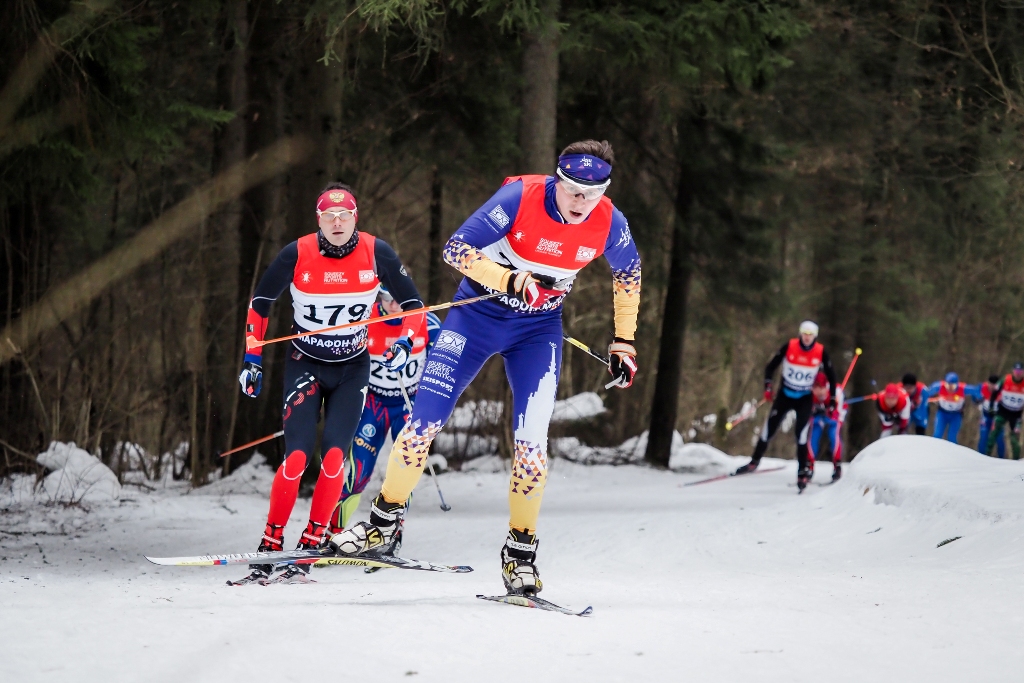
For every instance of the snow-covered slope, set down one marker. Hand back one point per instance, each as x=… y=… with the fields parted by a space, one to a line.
x=739 y=580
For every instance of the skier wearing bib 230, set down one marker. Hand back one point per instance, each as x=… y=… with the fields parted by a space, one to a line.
x=385 y=409
x=527 y=242
x=333 y=275
x=801 y=359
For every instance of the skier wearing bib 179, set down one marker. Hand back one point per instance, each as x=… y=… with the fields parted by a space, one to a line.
x=385 y=409
x=826 y=417
x=951 y=396
x=1010 y=395
x=527 y=242
x=333 y=275
x=989 y=409
x=801 y=359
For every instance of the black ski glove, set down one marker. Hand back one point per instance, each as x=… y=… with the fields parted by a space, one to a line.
x=621 y=362
x=251 y=377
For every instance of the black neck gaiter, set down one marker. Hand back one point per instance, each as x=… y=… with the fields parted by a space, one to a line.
x=331 y=251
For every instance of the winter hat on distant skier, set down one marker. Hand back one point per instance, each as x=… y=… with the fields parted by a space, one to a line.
x=821 y=380
x=952 y=378
x=892 y=391
x=1018 y=366
x=910 y=379
x=809 y=327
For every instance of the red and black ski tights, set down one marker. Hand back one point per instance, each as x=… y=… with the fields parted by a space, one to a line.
x=340 y=390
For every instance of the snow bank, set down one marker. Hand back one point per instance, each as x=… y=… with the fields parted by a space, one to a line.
x=685 y=457
x=579 y=407
x=254 y=476
x=76 y=476
x=927 y=476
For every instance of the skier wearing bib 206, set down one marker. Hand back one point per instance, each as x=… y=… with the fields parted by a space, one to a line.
x=1010 y=396
x=333 y=275
x=527 y=242
x=385 y=409
x=801 y=358
x=951 y=397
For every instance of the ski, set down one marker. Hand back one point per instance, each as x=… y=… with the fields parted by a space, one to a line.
x=316 y=558
x=535 y=603
x=733 y=474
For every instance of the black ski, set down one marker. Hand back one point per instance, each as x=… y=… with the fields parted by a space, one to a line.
x=733 y=474
x=535 y=603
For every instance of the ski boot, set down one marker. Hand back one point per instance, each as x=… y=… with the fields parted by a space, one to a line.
x=749 y=467
x=803 y=478
x=837 y=472
x=312 y=538
x=382 y=535
x=272 y=542
x=518 y=570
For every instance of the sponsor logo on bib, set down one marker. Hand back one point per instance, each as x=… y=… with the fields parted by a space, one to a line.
x=366 y=276
x=585 y=254
x=368 y=431
x=333 y=278
x=549 y=247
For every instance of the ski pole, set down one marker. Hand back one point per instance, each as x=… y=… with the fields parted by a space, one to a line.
x=584 y=348
x=740 y=417
x=849 y=371
x=590 y=352
x=430 y=466
x=858 y=399
x=252 y=342
x=252 y=443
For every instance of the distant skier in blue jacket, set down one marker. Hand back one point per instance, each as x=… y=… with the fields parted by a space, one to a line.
x=919 y=394
x=951 y=396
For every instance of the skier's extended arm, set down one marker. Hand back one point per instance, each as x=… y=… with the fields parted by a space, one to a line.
x=826 y=367
x=769 y=370
x=621 y=254
x=277 y=278
x=974 y=391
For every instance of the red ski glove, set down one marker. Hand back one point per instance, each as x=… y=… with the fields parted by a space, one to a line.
x=532 y=290
x=768 y=391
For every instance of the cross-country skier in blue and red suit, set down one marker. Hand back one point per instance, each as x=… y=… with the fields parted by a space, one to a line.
x=827 y=417
x=385 y=409
x=951 y=395
x=527 y=242
x=334 y=275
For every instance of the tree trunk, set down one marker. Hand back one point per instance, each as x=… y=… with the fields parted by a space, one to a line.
x=226 y=294
x=437 y=266
x=538 y=121
x=665 y=408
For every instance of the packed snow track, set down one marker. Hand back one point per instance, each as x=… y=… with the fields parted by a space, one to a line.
x=738 y=580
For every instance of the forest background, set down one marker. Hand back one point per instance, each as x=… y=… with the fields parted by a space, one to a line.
x=858 y=163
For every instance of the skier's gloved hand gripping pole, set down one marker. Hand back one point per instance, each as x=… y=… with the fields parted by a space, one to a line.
x=623 y=355
x=430 y=465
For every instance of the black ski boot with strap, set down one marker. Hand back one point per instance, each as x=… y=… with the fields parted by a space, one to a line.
x=273 y=541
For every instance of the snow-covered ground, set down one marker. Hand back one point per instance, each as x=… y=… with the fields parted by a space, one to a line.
x=738 y=580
